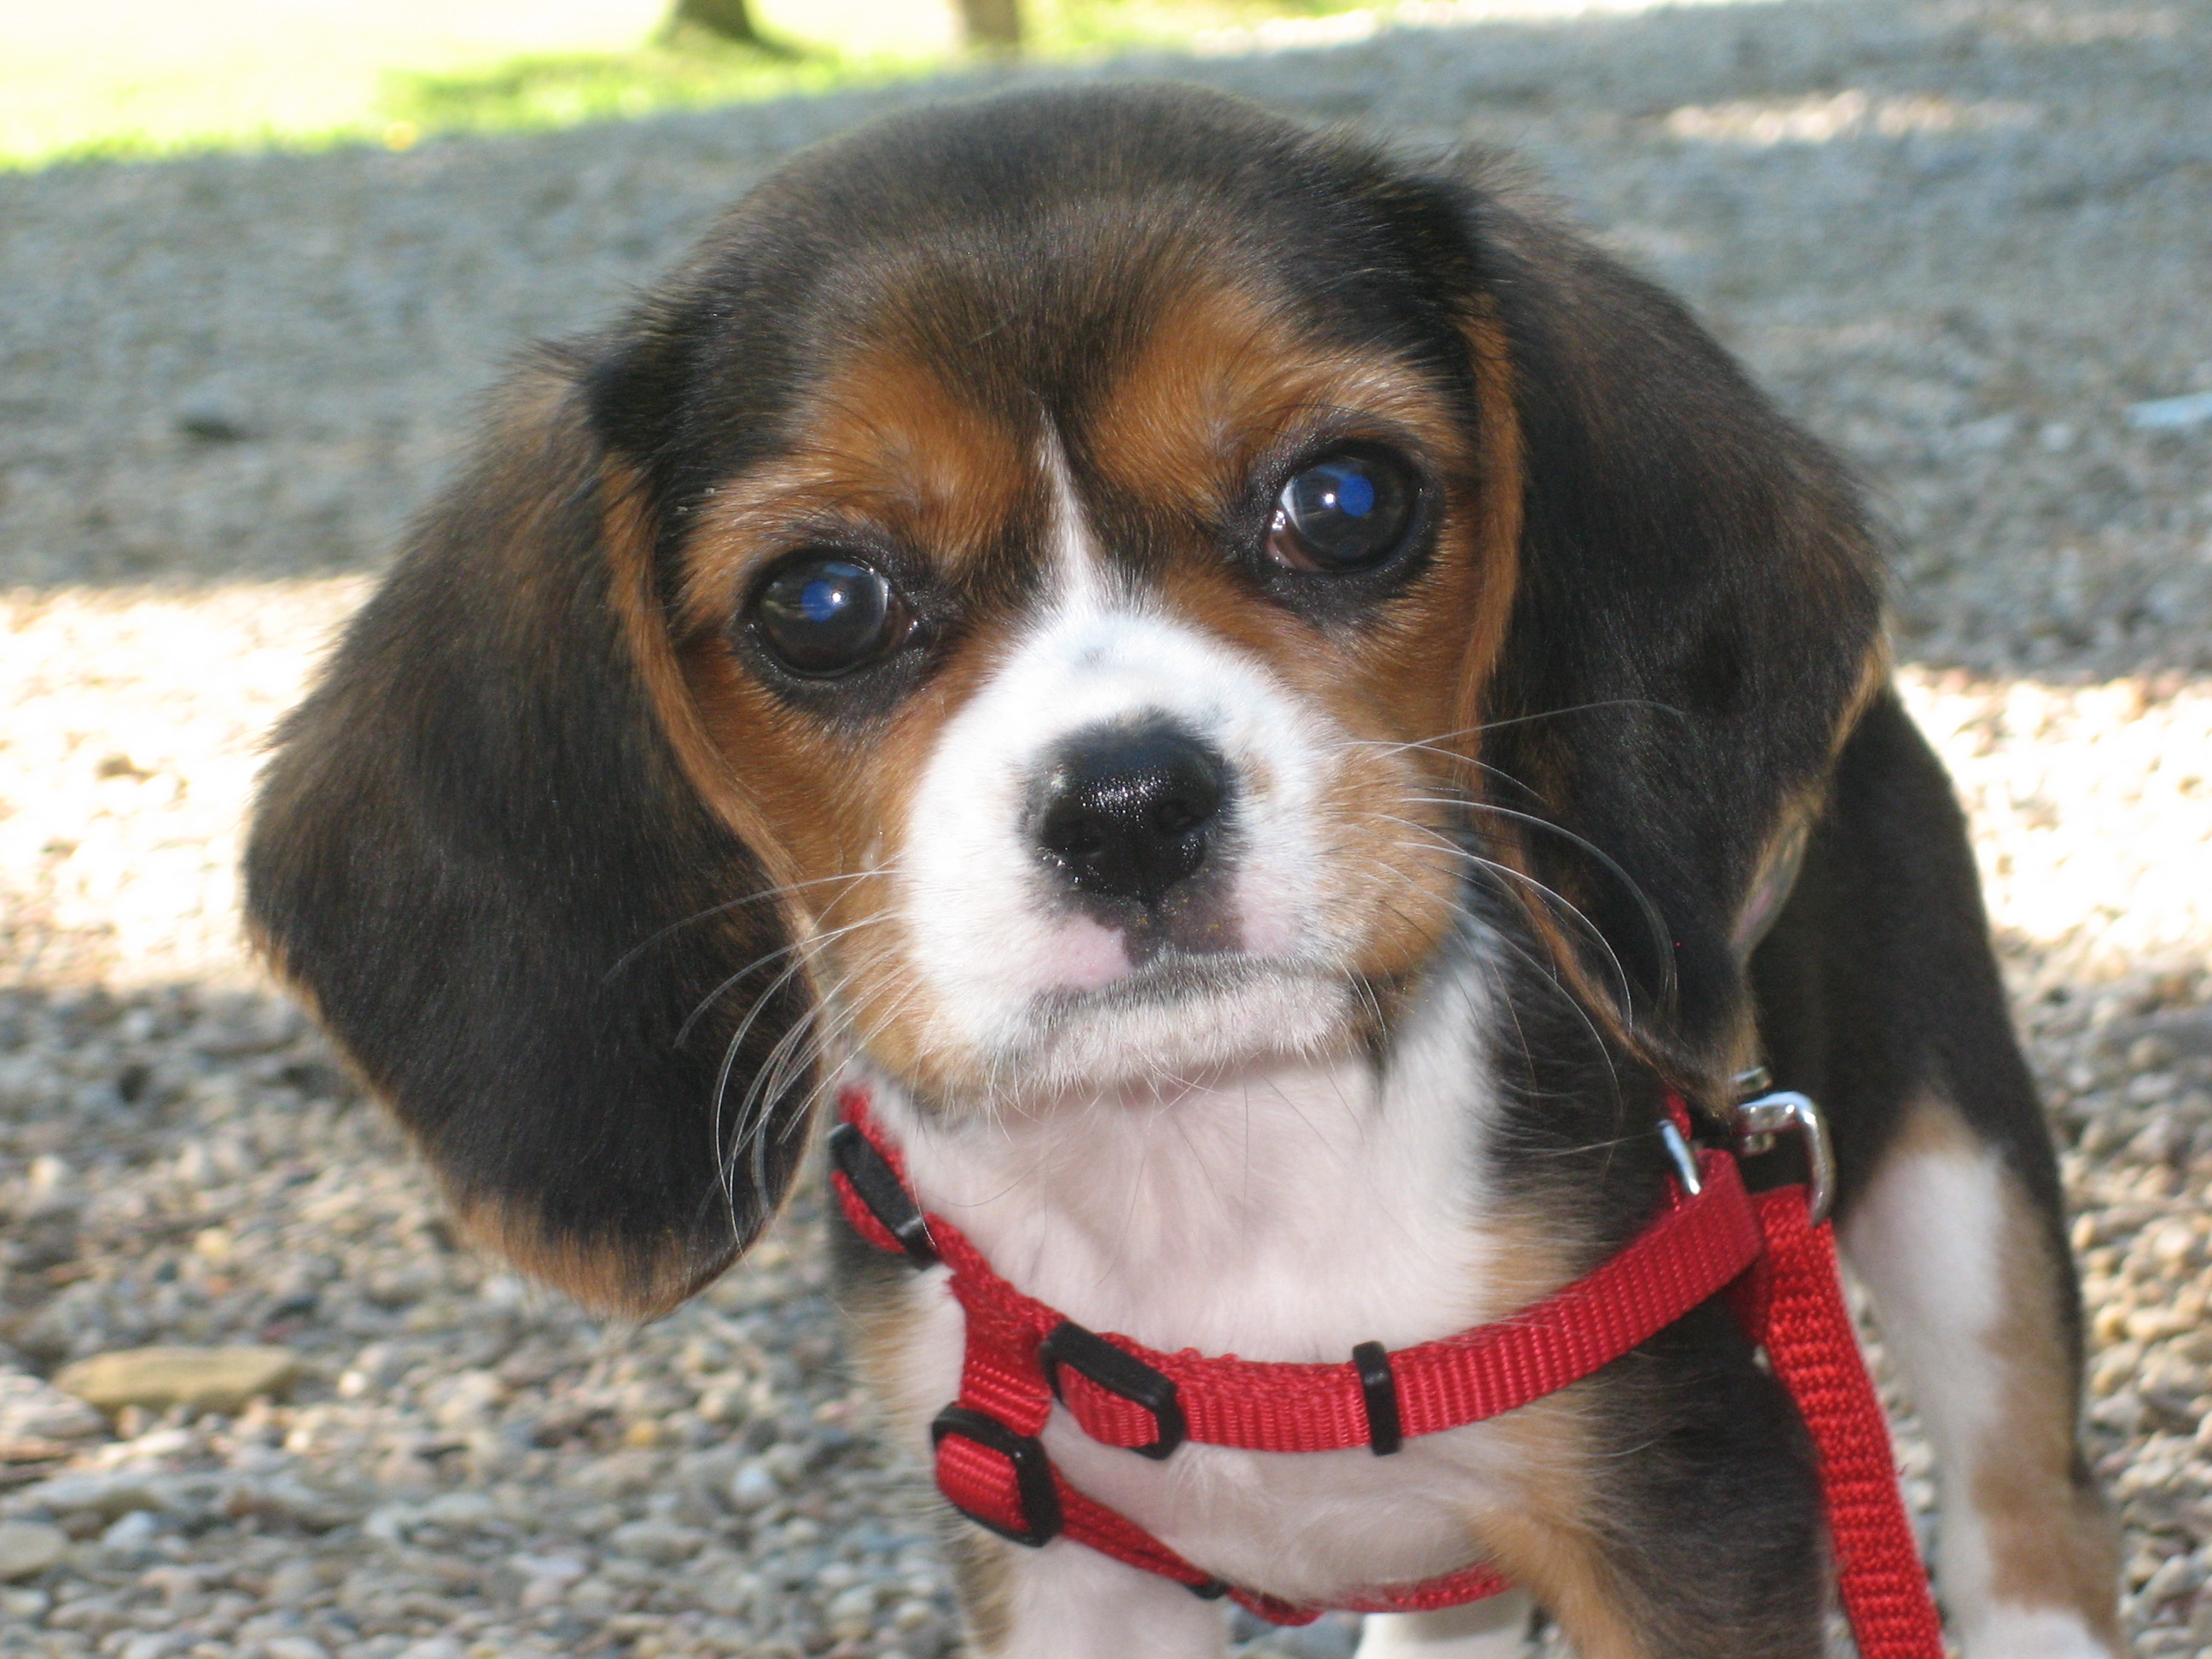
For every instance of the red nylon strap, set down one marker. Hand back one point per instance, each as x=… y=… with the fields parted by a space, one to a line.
x=1782 y=1277
x=1683 y=1258
x=1689 y=1254
x=1816 y=1353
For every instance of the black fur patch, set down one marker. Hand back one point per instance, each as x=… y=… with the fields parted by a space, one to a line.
x=476 y=854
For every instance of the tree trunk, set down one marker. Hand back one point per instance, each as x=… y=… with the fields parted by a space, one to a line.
x=993 y=25
x=730 y=19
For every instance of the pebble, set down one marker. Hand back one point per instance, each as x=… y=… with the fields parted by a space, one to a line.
x=32 y=1409
x=1961 y=239
x=29 y=1548
x=204 y=1379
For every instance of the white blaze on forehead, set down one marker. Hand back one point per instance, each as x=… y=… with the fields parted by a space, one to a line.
x=1079 y=580
x=991 y=930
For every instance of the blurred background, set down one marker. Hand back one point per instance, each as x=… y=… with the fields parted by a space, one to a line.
x=258 y=259
x=144 y=78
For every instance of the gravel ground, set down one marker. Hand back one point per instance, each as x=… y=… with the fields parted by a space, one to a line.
x=1958 y=238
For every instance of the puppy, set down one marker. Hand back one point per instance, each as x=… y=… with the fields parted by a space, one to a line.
x=1267 y=709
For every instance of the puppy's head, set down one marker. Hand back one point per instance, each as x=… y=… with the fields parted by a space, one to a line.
x=1058 y=590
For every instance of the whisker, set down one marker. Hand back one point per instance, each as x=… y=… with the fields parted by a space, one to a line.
x=1517 y=720
x=1550 y=976
x=1653 y=921
x=1573 y=910
x=749 y=1135
x=812 y=941
x=766 y=893
x=736 y=1043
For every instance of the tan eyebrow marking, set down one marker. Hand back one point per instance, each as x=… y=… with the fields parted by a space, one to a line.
x=884 y=444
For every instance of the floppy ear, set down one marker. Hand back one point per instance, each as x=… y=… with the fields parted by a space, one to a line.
x=485 y=853
x=1697 y=618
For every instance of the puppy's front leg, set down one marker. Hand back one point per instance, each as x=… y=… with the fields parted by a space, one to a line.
x=1494 y=1629
x=1971 y=1292
x=1065 y=1602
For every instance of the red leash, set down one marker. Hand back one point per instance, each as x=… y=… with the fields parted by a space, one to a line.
x=1023 y=1356
x=1810 y=1343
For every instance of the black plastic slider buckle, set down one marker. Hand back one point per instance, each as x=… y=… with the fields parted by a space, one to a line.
x=1119 y=1372
x=1379 y=1388
x=1032 y=1470
x=880 y=1188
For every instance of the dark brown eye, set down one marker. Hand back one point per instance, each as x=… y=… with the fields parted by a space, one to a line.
x=1346 y=512
x=821 y=615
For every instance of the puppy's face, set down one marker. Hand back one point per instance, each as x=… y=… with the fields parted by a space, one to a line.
x=1016 y=604
x=1106 y=717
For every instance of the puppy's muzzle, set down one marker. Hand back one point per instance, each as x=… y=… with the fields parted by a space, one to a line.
x=1129 y=815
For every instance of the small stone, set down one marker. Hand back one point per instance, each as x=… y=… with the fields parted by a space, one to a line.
x=2178 y=1576
x=27 y=1548
x=279 y=1498
x=110 y=1495
x=205 y=1379
x=388 y=1523
x=33 y=1409
x=656 y=1541
x=461 y=1511
x=25 y=1604
x=205 y=423
x=293 y=1583
x=851 y=1614
x=539 y=1593
x=541 y=1581
x=565 y=1568
x=753 y=1486
x=294 y=1647
x=469 y=1400
x=134 y=1532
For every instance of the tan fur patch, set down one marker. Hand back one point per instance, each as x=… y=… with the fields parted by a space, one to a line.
x=1548 y=1544
x=604 y=1279
x=707 y=768
x=1497 y=531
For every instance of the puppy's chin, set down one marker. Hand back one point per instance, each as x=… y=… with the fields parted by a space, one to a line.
x=1181 y=1016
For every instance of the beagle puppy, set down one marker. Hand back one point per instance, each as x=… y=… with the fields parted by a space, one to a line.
x=1270 y=706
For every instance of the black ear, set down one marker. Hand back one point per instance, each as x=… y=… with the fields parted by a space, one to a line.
x=1698 y=617
x=480 y=855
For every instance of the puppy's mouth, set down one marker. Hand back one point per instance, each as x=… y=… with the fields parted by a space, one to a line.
x=1169 y=976
x=1180 y=1010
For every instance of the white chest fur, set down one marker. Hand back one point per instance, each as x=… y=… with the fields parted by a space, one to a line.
x=1285 y=1215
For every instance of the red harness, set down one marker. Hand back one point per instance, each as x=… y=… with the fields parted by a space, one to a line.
x=1766 y=1251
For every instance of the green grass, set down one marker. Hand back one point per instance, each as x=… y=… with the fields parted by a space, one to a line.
x=559 y=90
x=150 y=77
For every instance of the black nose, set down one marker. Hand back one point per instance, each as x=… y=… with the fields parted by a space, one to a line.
x=1129 y=810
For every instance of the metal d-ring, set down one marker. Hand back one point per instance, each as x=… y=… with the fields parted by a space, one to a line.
x=1786 y=1111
